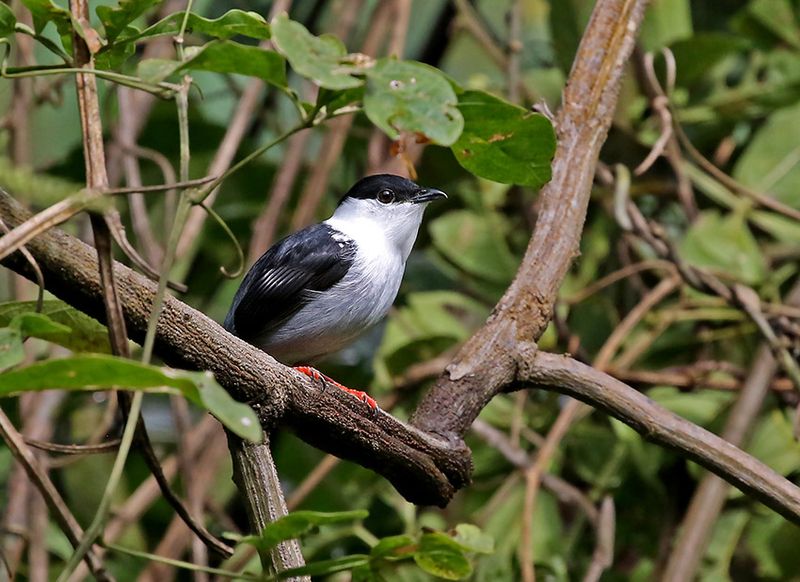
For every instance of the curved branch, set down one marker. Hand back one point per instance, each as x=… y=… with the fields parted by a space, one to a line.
x=487 y=363
x=425 y=470
x=659 y=425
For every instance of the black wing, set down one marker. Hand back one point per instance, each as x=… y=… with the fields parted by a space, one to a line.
x=277 y=285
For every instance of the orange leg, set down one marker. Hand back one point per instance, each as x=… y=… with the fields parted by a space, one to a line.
x=316 y=375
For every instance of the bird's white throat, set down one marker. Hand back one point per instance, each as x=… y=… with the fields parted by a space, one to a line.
x=391 y=227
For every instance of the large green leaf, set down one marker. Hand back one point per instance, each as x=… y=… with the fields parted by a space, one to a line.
x=698 y=407
x=440 y=555
x=472 y=539
x=475 y=243
x=103 y=372
x=221 y=57
x=771 y=162
x=725 y=537
x=503 y=142
x=115 y=19
x=773 y=443
x=725 y=245
x=77 y=331
x=7 y=20
x=697 y=55
x=294 y=525
x=11 y=350
x=323 y=59
x=778 y=17
x=665 y=22
x=20 y=322
x=409 y=97
x=44 y=11
x=230 y=24
x=429 y=323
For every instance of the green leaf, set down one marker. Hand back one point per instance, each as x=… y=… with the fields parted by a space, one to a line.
x=112 y=57
x=697 y=55
x=771 y=162
x=429 y=323
x=230 y=24
x=773 y=443
x=725 y=245
x=365 y=573
x=84 y=333
x=441 y=556
x=324 y=567
x=334 y=100
x=725 y=537
x=11 y=351
x=665 y=22
x=39 y=325
x=780 y=227
x=773 y=543
x=102 y=372
x=698 y=407
x=394 y=547
x=237 y=416
x=116 y=19
x=323 y=59
x=221 y=57
x=475 y=243
x=472 y=539
x=503 y=142
x=295 y=525
x=7 y=20
x=44 y=11
x=409 y=97
x=778 y=17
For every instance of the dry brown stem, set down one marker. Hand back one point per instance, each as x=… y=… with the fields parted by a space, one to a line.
x=54 y=501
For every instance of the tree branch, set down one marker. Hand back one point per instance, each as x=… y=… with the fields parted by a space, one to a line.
x=487 y=363
x=55 y=502
x=425 y=469
x=567 y=376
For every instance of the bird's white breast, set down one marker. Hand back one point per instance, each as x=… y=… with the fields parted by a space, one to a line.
x=335 y=317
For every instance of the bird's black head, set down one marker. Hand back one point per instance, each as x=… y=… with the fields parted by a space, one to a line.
x=391 y=189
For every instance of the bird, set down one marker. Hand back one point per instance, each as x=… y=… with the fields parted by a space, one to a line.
x=317 y=290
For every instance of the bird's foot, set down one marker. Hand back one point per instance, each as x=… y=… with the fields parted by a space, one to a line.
x=318 y=376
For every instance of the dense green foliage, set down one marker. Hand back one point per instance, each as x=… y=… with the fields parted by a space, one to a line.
x=736 y=95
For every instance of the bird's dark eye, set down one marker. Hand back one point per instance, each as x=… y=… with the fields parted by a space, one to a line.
x=385 y=196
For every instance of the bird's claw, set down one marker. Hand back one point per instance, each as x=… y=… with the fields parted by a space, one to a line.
x=324 y=380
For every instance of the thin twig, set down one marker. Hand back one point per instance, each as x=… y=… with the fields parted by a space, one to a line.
x=622 y=331
x=565 y=491
x=266 y=225
x=203 y=477
x=672 y=151
x=571 y=410
x=224 y=156
x=533 y=477
x=37 y=474
x=567 y=376
x=603 y=555
x=618 y=275
x=106 y=447
x=333 y=143
x=515 y=47
x=133 y=178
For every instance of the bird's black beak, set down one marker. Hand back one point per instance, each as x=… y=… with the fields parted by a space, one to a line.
x=427 y=195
